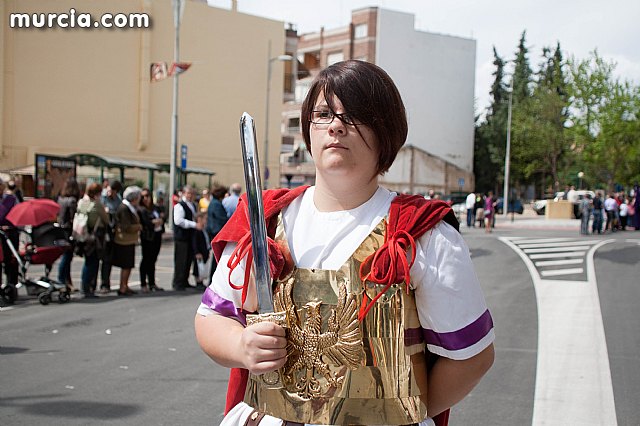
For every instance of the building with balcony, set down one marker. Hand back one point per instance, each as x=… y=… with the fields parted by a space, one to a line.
x=435 y=76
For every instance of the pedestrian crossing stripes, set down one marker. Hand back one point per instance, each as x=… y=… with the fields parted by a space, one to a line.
x=556 y=257
x=553 y=255
x=559 y=262
x=558 y=272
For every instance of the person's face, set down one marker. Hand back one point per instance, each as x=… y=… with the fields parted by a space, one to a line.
x=135 y=201
x=338 y=149
x=145 y=199
x=189 y=195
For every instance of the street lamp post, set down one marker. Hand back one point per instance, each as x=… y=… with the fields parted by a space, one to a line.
x=505 y=199
x=178 y=9
x=270 y=60
x=580 y=176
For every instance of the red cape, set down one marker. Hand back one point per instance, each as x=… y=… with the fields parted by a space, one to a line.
x=410 y=216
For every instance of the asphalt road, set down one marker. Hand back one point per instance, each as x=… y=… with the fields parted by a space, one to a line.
x=135 y=360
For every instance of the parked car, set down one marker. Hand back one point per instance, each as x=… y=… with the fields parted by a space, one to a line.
x=455 y=198
x=539 y=206
x=515 y=206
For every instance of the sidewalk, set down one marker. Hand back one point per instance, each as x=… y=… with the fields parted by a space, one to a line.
x=529 y=220
x=536 y=222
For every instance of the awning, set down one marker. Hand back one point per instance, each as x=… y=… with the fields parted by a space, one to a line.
x=24 y=170
x=164 y=167
x=108 y=161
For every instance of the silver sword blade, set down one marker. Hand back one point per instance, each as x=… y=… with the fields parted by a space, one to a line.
x=261 y=270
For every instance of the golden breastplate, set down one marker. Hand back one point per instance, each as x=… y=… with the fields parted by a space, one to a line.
x=341 y=371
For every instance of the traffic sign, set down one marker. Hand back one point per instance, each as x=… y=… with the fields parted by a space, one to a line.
x=183 y=157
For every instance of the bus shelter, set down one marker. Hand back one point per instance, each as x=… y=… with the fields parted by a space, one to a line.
x=103 y=162
x=182 y=175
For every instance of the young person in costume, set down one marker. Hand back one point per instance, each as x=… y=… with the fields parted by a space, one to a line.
x=386 y=322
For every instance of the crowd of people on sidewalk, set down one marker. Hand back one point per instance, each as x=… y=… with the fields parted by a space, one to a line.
x=481 y=208
x=619 y=211
x=117 y=219
x=616 y=212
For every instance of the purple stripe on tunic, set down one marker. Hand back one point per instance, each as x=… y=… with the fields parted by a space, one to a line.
x=413 y=336
x=222 y=306
x=462 y=338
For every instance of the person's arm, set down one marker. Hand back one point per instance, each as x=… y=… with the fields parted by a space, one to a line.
x=260 y=348
x=227 y=207
x=135 y=225
x=452 y=310
x=126 y=221
x=102 y=213
x=222 y=215
x=216 y=217
x=449 y=381
x=179 y=217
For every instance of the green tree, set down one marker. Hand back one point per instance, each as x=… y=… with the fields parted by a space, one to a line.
x=522 y=73
x=521 y=84
x=490 y=135
x=540 y=141
x=606 y=122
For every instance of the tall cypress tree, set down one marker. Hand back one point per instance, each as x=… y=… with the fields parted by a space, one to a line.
x=522 y=81
x=490 y=135
x=522 y=74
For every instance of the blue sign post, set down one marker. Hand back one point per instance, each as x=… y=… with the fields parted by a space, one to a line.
x=183 y=157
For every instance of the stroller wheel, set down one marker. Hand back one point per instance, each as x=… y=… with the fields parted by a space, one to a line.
x=64 y=297
x=44 y=298
x=9 y=293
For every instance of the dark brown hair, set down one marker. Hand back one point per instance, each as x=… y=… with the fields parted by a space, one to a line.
x=218 y=191
x=369 y=96
x=71 y=188
x=93 y=189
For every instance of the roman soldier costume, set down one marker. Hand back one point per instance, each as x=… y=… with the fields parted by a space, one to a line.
x=354 y=337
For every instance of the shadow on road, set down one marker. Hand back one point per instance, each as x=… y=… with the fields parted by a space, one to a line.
x=81 y=409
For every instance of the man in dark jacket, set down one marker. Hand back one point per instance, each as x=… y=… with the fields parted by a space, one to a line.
x=184 y=223
x=216 y=217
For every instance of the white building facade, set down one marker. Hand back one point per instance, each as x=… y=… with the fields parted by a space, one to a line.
x=435 y=74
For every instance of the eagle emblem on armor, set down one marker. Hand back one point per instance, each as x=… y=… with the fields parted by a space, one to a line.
x=310 y=350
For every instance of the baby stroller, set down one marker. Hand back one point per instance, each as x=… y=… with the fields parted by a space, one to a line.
x=43 y=243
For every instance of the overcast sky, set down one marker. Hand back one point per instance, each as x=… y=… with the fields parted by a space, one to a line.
x=613 y=26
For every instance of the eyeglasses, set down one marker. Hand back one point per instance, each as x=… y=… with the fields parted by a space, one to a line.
x=327 y=117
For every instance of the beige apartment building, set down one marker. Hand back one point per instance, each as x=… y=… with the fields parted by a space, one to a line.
x=435 y=75
x=87 y=90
